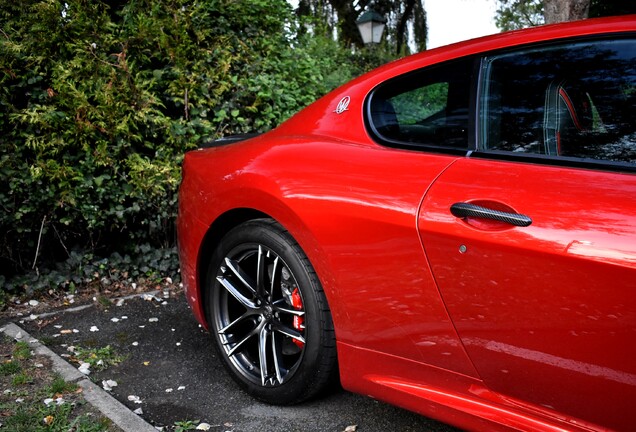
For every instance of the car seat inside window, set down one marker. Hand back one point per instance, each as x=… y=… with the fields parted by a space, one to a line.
x=427 y=108
x=574 y=100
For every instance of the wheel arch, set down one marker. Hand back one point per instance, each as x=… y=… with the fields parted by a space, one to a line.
x=230 y=219
x=219 y=228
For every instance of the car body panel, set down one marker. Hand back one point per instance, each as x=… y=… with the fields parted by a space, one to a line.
x=529 y=302
x=375 y=223
x=381 y=279
x=453 y=398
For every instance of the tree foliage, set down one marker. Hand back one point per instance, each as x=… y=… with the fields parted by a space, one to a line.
x=99 y=101
x=517 y=14
x=406 y=20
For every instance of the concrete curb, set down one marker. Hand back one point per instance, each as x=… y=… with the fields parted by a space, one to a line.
x=117 y=412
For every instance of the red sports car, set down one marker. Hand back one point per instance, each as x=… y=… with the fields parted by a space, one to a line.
x=454 y=233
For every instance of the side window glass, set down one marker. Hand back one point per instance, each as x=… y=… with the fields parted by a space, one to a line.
x=575 y=100
x=427 y=108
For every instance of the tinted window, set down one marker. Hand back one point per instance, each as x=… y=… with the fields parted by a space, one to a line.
x=425 y=108
x=574 y=100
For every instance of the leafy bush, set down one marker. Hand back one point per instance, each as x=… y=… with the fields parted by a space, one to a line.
x=144 y=264
x=100 y=100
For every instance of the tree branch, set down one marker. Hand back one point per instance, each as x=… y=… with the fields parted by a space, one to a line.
x=37 y=249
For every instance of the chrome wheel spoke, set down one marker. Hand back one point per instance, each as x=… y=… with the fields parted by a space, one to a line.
x=249 y=304
x=240 y=319
x=262 y=353
x=288 y=331
x=237 y=346
x=281 y=306
x=236 y=269
x=278 y=363
x=273 y=277
x=261 y=272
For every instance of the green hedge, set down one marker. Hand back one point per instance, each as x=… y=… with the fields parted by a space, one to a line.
x=99 y=101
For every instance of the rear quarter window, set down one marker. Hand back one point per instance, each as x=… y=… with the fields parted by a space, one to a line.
x=426 y=109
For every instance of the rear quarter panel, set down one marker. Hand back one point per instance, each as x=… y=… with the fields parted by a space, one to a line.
x=352 y=208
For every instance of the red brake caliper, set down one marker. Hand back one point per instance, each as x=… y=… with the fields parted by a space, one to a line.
x=297 y=303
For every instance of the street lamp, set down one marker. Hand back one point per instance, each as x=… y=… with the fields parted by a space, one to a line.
x=371 y=25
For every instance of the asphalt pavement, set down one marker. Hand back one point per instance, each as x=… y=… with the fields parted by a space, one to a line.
x=171 y=371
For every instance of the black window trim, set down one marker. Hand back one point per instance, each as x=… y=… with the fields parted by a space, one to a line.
x=557 y=161
x=534 y=158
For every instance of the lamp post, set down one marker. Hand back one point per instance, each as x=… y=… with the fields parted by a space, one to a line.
x=371 y=26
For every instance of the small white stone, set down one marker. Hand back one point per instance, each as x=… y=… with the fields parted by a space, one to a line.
x=94 y=329
x=153 y=319
x=33 y=302
x=134 y=399
x=109 y=384
x=203 y=426
x=139 y=411
x=85 y=368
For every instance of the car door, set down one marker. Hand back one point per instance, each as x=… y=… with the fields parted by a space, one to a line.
x=532 y=239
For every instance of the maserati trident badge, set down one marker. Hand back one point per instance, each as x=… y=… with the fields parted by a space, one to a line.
x=343 y=105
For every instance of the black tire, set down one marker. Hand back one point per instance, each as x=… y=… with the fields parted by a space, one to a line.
x=274 y=332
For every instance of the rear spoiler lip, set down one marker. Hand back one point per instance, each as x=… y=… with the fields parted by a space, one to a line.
x=230 y=139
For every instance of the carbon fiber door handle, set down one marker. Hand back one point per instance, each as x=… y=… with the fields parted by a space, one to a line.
x=462 y=210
